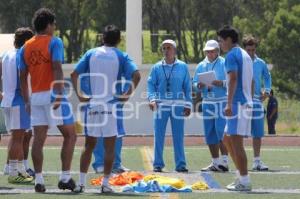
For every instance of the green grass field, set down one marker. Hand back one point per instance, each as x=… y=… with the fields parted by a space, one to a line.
x=283 y=178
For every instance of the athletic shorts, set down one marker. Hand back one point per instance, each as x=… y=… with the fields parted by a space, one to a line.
x=214 y=121
x=101 y=120
x=45 y=114
x=240 y=121
x=16 y=117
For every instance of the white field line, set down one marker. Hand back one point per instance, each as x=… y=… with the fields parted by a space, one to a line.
x=279 y=149
x=149 y=152
x=259 y=191
x=147 y=164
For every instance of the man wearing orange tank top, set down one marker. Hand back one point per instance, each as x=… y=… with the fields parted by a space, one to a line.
x=42 y=58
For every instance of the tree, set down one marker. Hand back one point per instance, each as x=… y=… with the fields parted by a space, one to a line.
x=276 y=24
x=282 y=46
x=17 y=13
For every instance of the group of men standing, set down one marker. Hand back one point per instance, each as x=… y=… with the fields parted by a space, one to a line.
x=43 y=103
x=232 y=103
x=228 y=103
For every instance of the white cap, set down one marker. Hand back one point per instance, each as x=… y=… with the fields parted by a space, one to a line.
x=169 y=41
x=211 y=45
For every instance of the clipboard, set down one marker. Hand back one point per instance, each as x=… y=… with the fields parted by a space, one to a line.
x=207 y=77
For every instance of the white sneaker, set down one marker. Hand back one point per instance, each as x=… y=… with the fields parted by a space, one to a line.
x=124 y=168
x=99 y=169
x=259 y=166
x=120 y=169
x=237 y=186
x=79 y=189
x=236 y=181
x=216 y=168
x=106 y=189
x=212 y=167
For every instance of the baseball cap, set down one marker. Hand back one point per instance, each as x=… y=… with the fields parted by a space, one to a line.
x=211 y=45
x=169 y=41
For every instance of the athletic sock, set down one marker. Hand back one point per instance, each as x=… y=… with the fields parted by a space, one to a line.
x=65 y=176
x=39 y=178
x=216 y=161
x=256 y=159
x=6 y=168
x=105 y=180
x=21 y=167
x=225 y=159
x=82 y=179
x=237 y=173
x=26 y=164
x=245 y=180
x=13 y=167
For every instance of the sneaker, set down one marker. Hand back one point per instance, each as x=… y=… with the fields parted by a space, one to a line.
x=99 y=169
x=79 y=189
x=157 y=169
x=30 y=172
x=182 y=170
x=120 y=169
x=223 y=167
x=20 y=178
x=212 y=167
x=26 y=175
x=70 y=185
x=237 y=186
x=236 y=181
x=39 y=188
x=106 y=189
x=259 y=166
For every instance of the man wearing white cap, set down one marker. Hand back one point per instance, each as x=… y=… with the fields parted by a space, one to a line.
x=169 y=94
x=214 y=101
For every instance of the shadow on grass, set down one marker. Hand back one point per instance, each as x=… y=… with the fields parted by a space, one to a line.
x=95 y=194
x=258 y=192
x=6 y=188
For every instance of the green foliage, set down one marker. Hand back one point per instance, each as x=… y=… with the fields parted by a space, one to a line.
x=278 y=28
x=17 y=13
x=282 y=45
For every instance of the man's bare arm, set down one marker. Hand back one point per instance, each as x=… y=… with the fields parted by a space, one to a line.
x=74 y=80
x=136 y=77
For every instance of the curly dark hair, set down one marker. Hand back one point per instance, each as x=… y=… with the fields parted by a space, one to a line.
x=42 y=17
x=228 y=31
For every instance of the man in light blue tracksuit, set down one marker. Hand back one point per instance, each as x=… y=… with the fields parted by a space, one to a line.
x=214 y=101
x=260 y=72
x=169 y=94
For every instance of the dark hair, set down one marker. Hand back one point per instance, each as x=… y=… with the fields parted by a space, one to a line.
x=111 y=35
x=272 y=92
x=42 y=17
x=22 y=35
x=228 y=31
x=249 y=40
